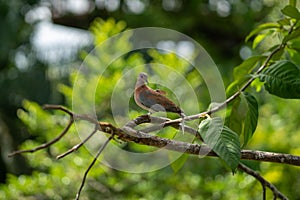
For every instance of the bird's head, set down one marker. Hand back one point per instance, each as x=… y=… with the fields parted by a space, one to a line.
x=141 y=80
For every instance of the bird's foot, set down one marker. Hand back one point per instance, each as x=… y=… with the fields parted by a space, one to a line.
x=204 y=115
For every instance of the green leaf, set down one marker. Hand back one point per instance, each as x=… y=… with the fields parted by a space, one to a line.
x=241 y=73
x=293 y=2
x=295 y=34
x=278 y=54
x=178 y=163
x=261 y=28
x=244 y=115
x=237 y=115
x=258 y=39
x=294 y=45
x=251 y=117
x=282 y=79
x=235 y=85
x=210 y=130
x=246 y=66
x=224 y=142
x=291 y=11
x=284 y=22
x=257 y=84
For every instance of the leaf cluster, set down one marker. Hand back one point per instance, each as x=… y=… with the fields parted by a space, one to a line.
x=272 y=70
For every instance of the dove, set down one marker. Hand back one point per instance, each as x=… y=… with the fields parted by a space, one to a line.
x=153 y=100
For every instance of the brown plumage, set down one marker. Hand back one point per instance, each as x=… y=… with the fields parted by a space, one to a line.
x=153 y=100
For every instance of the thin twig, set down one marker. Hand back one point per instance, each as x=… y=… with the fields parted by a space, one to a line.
x=91 y=165
x=264 y=193
x=231 y=98
x=47 y=144
x=57 y=107
x=73 y=117
x=263 y=181
x=77 y=146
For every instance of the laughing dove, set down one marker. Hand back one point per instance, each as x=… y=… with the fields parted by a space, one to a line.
x=153 y=100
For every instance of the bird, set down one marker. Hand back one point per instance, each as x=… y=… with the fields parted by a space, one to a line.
x=153 y=100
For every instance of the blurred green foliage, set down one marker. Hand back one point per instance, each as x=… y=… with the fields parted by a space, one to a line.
x=277 y=130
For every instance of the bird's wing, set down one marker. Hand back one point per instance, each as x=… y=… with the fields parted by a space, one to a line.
x=156 y=101
x=148 y=99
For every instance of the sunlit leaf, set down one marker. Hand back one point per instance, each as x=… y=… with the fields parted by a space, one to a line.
x=262 y=27
x=258 y=39
x=242 y=73
x=257 y=84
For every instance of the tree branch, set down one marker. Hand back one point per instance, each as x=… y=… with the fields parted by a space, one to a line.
x=263 y=182
x=129 y=134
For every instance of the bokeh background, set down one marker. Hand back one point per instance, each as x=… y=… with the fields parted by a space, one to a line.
x=44 y=41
